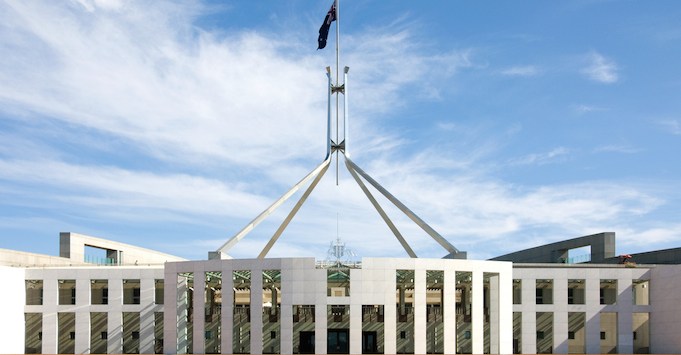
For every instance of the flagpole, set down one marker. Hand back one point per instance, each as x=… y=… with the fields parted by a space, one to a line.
x=337 y=3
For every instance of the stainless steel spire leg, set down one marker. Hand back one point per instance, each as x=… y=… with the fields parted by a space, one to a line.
x=428 y=229
x=328 y=116
x=380 y=211
x=346 y=124
x=292 y=214
x=237 y=237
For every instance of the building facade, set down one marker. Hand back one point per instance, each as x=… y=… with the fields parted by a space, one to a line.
x=298 y=305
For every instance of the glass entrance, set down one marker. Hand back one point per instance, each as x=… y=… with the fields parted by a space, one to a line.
x=338 y=341
x=369 y=343
x=306 y=343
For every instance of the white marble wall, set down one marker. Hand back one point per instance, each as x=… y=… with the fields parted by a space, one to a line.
x=560 y=274
x=12 y=299
x=115 y=276
x=665 y=319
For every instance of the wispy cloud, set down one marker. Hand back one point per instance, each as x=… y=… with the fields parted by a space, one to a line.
x=541 y=158
x=673 y=126
x=617 y=149
x=601 y=69
x=522 y=71
x=584 y=109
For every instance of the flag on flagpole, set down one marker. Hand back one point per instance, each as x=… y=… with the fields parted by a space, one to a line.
x=324 y=30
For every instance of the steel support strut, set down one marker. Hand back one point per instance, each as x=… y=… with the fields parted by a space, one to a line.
x=428 y=229
x=262 y=216
x=381 y=212
x=293 y=212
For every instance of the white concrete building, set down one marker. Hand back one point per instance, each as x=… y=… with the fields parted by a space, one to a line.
x=165 y=304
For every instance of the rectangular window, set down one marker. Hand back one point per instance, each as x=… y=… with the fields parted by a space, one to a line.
x=608 y=291
x=576 y=289
x=641 y=332
x=609 y=331
x=158 y=332
x=98 y=332
x=158 y=291
x=99 y=292
x=67 y=292
x=33 y=323
x=576 y=333
x=544 y=291
x=517 y=291
x=640 y=290
x=34 y=292
x=544 y=321
x=131 y=291
x=131 y=332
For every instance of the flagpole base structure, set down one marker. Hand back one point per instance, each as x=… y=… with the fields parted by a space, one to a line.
x=340 y=148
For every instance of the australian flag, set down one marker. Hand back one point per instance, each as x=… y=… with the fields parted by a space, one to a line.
x=324 y=30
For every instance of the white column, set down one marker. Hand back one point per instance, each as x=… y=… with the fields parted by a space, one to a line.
x=356 y=327
x=170 y=290
x=625 y=337
x=529 y=316
x=477 y=320
x=115 y=316
x=449 y=311
x=199 y=304
x=181 y=304
x=286 y=324
x=147 y=298
x=320 y=328
x=256 y=311
x=50 y=300
x=227 y=309
x=82 y=326
x=505 y=305
x=419 y=309
x=114 y=324
x=560 y=314
x=593 y=316
x=494 y=315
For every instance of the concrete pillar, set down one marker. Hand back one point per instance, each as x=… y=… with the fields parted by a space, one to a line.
x=419 y=310
x=147 y=298
x=625 y=337
x=529 y=316
x=256 y=311
x=227 y=309
x=114 y=324
x=320 y=327
x=170 y=309
x=355 y=328
x=199 y=304
x=449 y=311
x=494 y=313
x=477 y=326
x=115 y=316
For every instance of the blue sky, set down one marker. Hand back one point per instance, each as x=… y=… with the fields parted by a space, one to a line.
x=504 y=125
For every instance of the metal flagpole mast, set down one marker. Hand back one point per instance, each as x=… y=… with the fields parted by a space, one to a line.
x=337 y=80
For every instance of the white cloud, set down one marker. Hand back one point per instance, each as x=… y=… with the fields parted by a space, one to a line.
x=523 y=71
x=583 y=109
x=601 y=69
x=617 y=149
x=673 y=126
x=541 y=158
